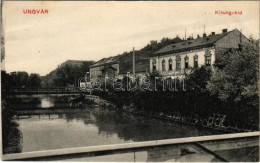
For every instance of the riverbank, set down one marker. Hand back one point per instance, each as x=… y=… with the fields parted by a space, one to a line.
x=216 y=121
x=11 y=135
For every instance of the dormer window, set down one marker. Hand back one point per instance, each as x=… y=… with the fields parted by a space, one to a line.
x=208 y=57
x=178 y=63
x=154 y=64
x=196 y=64
x=163 y=65
x=186 y=61
x=170 y=64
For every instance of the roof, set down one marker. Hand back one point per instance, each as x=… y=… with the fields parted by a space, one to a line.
x=140 y=66
x=108 y=67
x=106 y=61
x=191 y=44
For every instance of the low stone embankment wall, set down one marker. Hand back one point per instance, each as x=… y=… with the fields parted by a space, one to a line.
x=216 y=121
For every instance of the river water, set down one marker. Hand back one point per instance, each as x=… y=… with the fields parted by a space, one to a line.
x=49 y=122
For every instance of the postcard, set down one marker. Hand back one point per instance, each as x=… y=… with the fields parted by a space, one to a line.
x=130 y=81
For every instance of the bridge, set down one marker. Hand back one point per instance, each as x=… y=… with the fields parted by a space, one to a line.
x=45 y=90
x=240 y=147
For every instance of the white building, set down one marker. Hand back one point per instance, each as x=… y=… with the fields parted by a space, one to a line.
x=175 y=59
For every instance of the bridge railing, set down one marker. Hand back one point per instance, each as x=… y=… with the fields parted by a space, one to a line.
x=158 y=150
x=44 y=90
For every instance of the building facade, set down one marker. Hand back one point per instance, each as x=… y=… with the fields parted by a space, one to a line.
x=141 y=68
x=118 y=67
x=176 y=59
x=106 y=67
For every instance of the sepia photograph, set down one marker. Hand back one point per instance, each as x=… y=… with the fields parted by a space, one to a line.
x=130 y=81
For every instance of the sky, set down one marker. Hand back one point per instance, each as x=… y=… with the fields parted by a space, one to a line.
x=38 y=43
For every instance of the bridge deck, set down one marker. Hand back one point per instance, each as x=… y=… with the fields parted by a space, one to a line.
x=203 y=148
x=54 y=90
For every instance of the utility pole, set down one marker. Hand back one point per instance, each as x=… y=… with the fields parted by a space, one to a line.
x=75 y=83
x=133 y=63
x=185 y=35
x=185 y=38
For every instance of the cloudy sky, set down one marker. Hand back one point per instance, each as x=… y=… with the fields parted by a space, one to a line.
x=94 y=30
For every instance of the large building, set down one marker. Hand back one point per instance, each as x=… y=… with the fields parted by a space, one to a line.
x=117 y=67
x=178 y=58
x=106 y=67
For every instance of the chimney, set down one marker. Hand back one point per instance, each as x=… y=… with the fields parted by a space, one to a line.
x=204 y=35
x=212 y=33
x=224 y=30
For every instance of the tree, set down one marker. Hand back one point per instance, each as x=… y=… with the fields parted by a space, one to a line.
x=237 y=77
x=235 y=82
x=67 y=74
x=198 y=78
x=22 y=78
x=18 y=79
x=34 y=80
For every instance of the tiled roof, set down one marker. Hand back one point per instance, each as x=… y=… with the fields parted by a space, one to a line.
x=191 y=44
x=105 y=61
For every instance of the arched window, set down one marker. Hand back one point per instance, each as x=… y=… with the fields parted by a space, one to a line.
x=163 y=65
x=186 y=61
x=196 y=64
x=154 y=64
x=170 y=64
x=178 y=63
x=208 y=57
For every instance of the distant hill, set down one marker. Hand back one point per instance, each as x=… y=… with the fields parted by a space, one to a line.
x=76 y=63
x=67 y=73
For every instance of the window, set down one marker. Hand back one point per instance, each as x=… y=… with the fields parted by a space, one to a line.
x=178 y=63
x=163 y=65
x=208 y=58
x=186 y=60
x=208 y=61
x=196 y=64
x=170 y=64
x=154 y=64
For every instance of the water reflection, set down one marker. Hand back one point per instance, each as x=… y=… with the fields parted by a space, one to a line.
x=136 y=128
x=33 y=102
x=46 y=102
x=65 y=127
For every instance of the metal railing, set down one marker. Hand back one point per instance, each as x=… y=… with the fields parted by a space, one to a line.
x=204 y=144
x=32 y=90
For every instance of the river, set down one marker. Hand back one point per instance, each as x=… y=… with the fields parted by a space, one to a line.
x=49 y=122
